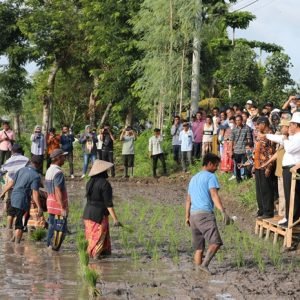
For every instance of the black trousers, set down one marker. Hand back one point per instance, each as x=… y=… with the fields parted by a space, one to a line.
x=109 y=156
x=4 y=155
x=155 y=159
x=69 y=158
x=176 y=153
x=99 y=154
x=264 y=193
x=287 y=181
x=238 y=158
x=197 y=150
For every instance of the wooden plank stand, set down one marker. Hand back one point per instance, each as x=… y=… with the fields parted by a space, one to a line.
x=266 y=226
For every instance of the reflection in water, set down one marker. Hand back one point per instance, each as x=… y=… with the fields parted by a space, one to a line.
x=30 y=271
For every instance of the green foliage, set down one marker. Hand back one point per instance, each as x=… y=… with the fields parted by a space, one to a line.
x=241 y=72
x=239 y=19
x=277 y=76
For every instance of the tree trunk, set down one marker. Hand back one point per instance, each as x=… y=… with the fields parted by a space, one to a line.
x=195 y=86
x=181 y=81
x=129 y=117
x=48 y=98
x=92 y=103
x=233 y=36
x=106 y=112
x=17 y=129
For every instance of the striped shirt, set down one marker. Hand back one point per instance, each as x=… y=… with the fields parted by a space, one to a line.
x=15 y=163
x=55 y=178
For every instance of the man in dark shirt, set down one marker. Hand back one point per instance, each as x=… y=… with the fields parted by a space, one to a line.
x=108 y=146
x=26 y=184
x=66 y=141
x=240 y=135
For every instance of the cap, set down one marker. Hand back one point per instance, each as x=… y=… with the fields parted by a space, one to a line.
x=261 y=120
x=16 y=148
x=249 y=102
x=57 y=152
x=295 y=118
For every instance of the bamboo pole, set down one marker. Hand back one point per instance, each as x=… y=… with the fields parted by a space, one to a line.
x=289 y=233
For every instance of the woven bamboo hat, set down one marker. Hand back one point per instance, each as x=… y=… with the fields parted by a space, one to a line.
x=100 y=166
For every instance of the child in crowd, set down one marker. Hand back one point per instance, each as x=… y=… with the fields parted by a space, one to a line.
x=248 y=164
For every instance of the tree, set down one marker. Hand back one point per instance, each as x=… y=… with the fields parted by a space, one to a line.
x=53 y=32
x=240 y=73
x=238 y=19
x=277 y=76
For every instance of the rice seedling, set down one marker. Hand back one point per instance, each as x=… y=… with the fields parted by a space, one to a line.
x=38 y=234
x=83 y=258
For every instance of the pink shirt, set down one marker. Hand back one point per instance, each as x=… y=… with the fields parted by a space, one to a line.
x=197 y=128
x=5 y=145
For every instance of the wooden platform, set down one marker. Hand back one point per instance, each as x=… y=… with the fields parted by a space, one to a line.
x=264 y=227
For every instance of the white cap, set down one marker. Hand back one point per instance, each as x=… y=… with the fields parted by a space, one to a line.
x=249 y=102
x=295 y=118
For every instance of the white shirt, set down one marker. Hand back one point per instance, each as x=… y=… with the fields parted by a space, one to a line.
x=186 y=138
x=291 y=147
x=155 y=145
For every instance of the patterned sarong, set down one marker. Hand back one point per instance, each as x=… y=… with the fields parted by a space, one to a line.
x=98 y=237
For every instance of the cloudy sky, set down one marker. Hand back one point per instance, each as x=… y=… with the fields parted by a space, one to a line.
x=277 y=21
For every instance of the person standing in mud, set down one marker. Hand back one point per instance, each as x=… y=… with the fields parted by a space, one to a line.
x=98 y=208
x=57 y=200
x=26 y=184
x=11 y=166
x=199 y=211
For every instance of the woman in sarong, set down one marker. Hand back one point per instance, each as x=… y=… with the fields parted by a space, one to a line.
x=97 y=210
x=226 y=160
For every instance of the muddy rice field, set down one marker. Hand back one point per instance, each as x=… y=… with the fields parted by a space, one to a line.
x=152 y=254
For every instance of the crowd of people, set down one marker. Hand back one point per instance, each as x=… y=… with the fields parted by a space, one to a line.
x=247 y=143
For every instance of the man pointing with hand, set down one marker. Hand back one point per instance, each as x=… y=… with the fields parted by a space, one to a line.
x=199 y=211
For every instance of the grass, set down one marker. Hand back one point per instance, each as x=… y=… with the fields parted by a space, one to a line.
x=38 y=235
x=157 y=231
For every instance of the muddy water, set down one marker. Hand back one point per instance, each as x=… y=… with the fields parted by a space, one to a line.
x=29 y=271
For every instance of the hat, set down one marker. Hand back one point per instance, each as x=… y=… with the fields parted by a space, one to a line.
x=99 y=166
x=249 y=102
x=87 y=126
x=16 y=148
x=57 y=152
x=284 y=122
x=295 y=118
x=264 y=120
x=37 y=127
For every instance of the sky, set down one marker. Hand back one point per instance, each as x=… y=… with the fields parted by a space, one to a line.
x=277 y=21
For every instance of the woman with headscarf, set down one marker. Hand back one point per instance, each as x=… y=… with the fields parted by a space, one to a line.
x=97 y=210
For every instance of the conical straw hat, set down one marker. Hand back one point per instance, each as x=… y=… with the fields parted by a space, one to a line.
x=99 y=166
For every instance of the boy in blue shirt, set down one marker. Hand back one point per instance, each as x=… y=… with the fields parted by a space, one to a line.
x=201 y=199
